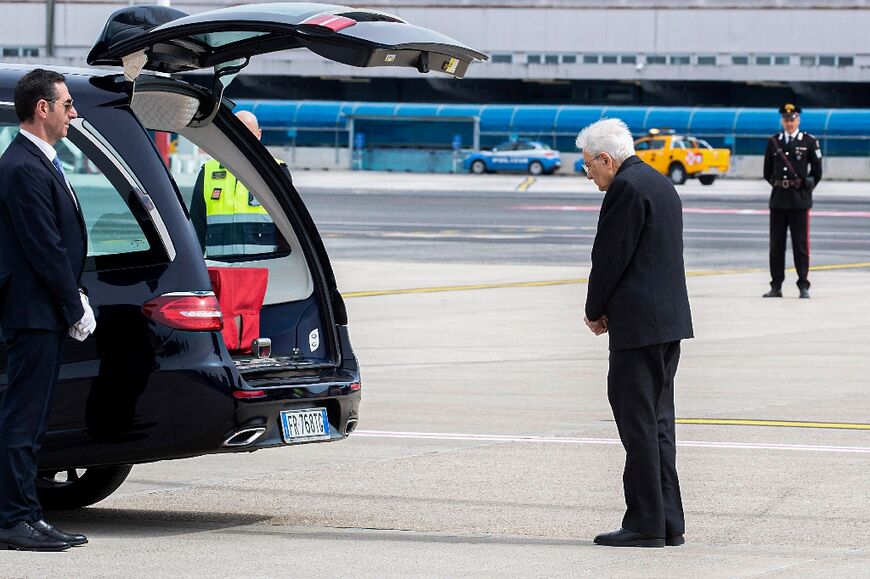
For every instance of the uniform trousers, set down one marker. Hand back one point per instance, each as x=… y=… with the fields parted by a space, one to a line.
x=33 y=363
x=798 y=222
x=640 y=388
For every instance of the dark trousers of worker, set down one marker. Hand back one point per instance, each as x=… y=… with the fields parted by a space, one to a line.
x=798 y=222
x=640 y=387
x=33 y=363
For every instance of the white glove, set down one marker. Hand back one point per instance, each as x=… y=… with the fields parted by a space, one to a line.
x=85 y=326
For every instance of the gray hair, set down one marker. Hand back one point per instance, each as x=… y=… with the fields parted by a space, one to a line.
x=609 y=136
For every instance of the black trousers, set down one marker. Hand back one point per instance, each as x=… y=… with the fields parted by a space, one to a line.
x=798 y=222
x=640 y=387
x=34 y=359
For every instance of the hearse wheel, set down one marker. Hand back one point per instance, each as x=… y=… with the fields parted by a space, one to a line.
x=79 y=487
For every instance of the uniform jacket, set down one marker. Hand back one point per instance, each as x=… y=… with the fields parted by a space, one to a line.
x=638 y=279
x=43 y=243
x=806 y=157
x=217 y=238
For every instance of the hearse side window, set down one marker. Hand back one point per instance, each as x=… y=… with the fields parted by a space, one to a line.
x=120 y=230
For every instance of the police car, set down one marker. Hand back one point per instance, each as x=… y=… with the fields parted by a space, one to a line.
x=521 y=155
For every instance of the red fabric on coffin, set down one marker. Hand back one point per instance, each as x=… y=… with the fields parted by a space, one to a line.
x=240 y=292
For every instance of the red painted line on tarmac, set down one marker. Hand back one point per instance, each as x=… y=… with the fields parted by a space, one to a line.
x=596 y=208
x=863 y=214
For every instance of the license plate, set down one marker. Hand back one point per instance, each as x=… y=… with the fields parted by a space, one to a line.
x=304 y=425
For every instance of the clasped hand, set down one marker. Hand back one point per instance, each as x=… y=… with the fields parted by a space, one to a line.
x=598 y=326
x=85 y=326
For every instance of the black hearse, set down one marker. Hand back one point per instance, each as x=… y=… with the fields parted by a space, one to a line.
x=157 y=380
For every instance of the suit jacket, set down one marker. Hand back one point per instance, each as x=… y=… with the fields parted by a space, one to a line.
x=805 y=156
x=638 y=279
x=43 y=243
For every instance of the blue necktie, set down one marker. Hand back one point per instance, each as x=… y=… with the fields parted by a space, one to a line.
x=59 y=168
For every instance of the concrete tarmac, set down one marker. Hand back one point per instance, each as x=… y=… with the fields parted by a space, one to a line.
x=565 y=183
x=487 y=448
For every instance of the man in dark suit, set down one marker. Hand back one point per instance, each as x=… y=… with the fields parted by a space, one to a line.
x=793 y=167
x=637 y=293
x=43 y=245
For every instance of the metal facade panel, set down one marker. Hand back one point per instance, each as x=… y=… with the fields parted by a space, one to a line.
x=496 y=118
x=534 y=119
x=712 y=121
x=761 y=122
x=669 y=118
x=574 y=118
x=849 y=122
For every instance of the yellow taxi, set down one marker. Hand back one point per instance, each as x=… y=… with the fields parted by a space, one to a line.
x=683 y=157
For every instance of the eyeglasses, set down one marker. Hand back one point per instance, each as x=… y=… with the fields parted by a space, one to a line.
x=67 y=105
x=598 y=156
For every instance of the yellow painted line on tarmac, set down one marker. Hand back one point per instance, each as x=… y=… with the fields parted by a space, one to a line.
x=835 y=266
x=577 y=281
x=461 y=288
x=858 y=265
x=780 y=423
x=528 y=182
x=715 y=272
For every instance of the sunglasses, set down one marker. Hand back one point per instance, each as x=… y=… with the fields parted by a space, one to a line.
x=67 y=105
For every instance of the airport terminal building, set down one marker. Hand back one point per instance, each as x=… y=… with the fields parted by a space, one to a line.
x=717 y=69
x=730 y=53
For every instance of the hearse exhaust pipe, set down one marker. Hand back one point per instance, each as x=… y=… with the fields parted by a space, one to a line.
x=245 y=436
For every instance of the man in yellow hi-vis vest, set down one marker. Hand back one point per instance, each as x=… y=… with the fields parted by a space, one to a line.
x=228 y=219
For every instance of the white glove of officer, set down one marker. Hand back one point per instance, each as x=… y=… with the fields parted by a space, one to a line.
x=85 y=326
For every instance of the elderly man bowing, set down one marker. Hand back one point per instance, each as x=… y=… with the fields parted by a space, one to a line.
x=637 y=294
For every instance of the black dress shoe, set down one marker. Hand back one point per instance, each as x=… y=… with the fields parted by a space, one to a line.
x=46 y=529
x=774 y=293
x=674 y=540
x=626 y=538
x=805 y=293
x=24 y=537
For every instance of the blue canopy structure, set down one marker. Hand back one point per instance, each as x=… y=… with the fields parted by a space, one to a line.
x=844 y=132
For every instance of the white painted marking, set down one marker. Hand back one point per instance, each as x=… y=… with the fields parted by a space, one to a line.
x=574 y=440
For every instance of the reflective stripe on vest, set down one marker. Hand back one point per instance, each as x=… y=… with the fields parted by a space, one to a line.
x=236 y=223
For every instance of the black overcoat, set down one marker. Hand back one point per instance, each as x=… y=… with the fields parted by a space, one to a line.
x=638 y=279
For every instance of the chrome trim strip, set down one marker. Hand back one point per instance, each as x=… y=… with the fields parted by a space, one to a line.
x=197 y=294
x=89 y=132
